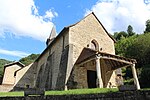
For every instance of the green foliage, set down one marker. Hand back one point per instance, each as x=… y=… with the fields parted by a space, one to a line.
x=120 y=35
x=136 y=47
x=123 y=45
x=147 y=29
x=69 y=92
x=129 y=82
x=130 y=31
x=82 y=91
x=2 y=63
x=144 y=77
x=140 y=50
x=26 y=60
x=29 y=59
x=11 y=94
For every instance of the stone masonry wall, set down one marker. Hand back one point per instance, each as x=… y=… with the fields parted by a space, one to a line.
x=9 y=77
x=58 y=49
x=85 y=31
x=26 y=77
x=81 y=35
x=51 y=58
x=20 y=74
x=62 y=69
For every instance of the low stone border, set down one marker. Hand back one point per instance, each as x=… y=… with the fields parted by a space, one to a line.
x=36 y=91
x=127 y=88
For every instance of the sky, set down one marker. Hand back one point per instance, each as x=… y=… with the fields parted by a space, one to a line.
x=26 y=24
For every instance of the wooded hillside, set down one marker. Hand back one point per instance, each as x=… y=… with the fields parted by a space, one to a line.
x=2 y=63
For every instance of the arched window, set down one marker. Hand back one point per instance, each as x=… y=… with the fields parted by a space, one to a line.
x=94 y=45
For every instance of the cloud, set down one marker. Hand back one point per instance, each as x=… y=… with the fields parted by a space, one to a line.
x=21 y=18
x=14 y=53
x=116 y=15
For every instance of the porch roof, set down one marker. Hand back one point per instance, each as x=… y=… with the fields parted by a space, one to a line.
x=113 y=61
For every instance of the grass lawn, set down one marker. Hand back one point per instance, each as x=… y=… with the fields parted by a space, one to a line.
x=81 y=91
x=145 y=89
x=10 y=94
x=68 y=92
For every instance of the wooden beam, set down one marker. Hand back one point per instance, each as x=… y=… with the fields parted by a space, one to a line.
x=116 y=59
x=85 y=61
x=108 y=63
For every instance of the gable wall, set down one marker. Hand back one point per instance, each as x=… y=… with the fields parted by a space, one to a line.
x=25 y=76
x=85 y=31
x=9 y=74
x=81 y=36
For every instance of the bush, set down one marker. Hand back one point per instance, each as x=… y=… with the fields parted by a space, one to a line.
x=145 y=77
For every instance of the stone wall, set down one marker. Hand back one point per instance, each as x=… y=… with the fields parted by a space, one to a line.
x=108 y=76
x=43 y=73
x=20 y=73
x=129 y=95
x=79 y=75
x=9 y=73
x=51 y=63
x=81 y=35
x=26 y=77
x=62 y=69
x=85 y=31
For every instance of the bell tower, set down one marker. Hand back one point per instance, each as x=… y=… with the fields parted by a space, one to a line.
x=51 y=36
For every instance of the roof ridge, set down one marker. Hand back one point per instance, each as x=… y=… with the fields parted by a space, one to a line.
x=12 y=63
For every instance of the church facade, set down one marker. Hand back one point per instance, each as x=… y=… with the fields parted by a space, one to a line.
x=82 y=55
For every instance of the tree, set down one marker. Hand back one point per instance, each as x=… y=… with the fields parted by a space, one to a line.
x=144 y=77
x=29 y=59
x=137 y=47
x=119 y=35
x=2 y=63
x=140 y=49
x=123 y=45
x=147 y=29
x=130 y=31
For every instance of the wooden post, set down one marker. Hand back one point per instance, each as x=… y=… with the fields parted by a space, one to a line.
x=66 y=88
x=98 y=69
x=136 y=81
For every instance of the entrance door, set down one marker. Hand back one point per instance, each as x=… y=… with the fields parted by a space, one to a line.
x=91 y=78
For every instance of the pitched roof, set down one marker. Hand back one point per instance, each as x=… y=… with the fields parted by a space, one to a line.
x=54 y=41
x=13 y=63
x=21 y=69
x=114 y=61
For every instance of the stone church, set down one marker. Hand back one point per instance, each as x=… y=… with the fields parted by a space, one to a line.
x=82 y=55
